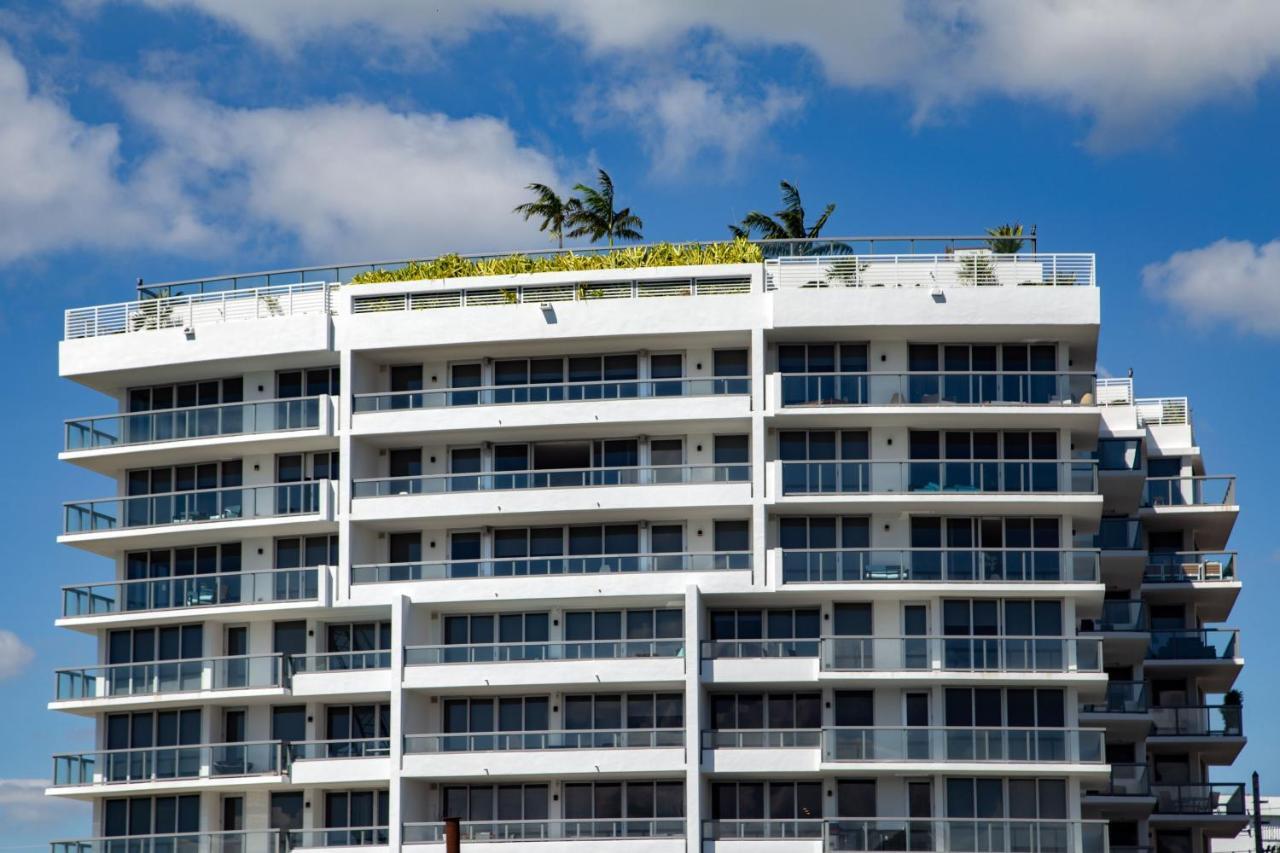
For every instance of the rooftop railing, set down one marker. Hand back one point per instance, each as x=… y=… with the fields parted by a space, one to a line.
x=557 y=478
x=924 y=476
x=598 y=564
x=1222 y=799
x=1042 y=745
x=1198 y=721
x=1162 y=411
x=564 y=392
x=545 y=651
x=975 y=268
x=190 y=507
x=935 y=388
x=1190 y=567
x=544 y=740
x=234 y=841
x=1190 y=491
x=862 y=654
x=1115 y=391
x=183 y=591
x=154 y=678
x=1207 y=644
x=938 y=565
x=259 y=416
x=196 y=310
x=163 y=763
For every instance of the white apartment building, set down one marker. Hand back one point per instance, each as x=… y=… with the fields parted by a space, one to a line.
x=824 y=553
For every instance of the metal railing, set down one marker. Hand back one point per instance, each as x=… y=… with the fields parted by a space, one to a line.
x=1119 y=616
x=1207 y=644
x=1162 y=411
x=1043 y=745
x=780 y=828
x=189 y=312
x=171 y=676
x=935 y=388
x=346 y=836
x=1198 y=721
x=973 y=654
x=560 y=478
x=182 y=591
x=258 y=416
x=558 y=392
x=1123 y=697
x=973 y=268
x=1125 y=780
x=311 y=750
x=1189 y=491
x=598 y=564
x=160 y=763
x=938 y=565
x=353 y=661
x=762 y=739
x=1190 y=567
x=547 y=830
x=544 y=740
x=233 y=841
x=1225 y=798
x=1115 y=391
x=972 y=835
x=195 y=506
x=548 y=651
x=937 y=475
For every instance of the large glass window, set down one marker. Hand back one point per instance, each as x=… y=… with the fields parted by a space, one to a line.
x=1010 y=461
x=495 y=802
x=823 y=374
x=824 y=461
x=151 y=815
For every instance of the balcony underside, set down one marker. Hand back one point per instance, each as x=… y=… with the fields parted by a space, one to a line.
x=92 y=707
x=111 y=460
x=1082 y=420
x=661 y=762
x=1121 y=491
x=1214 y=600
x=111 y=542
x=1085 y=510
x=1211 y=525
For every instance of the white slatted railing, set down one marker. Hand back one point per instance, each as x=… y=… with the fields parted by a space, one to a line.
x=963 y=268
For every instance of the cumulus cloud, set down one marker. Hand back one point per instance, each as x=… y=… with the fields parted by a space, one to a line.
x=14 y=654
x=1235 y=282
x=1130 y=68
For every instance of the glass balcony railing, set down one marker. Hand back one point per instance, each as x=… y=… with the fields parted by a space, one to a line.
x=1119 y=454
x=762 y=739
x=180 y=591
x=1125 y=780
x=550 y=651
x=1041 y=745
x=925 y=476
x=346 y=836
x=310 y=750
x=160 y=763
x=565 y=392
x=935 y=565
x=1198 y=721
x=599 y=564
x=171 y=676
x=225 y=504
x=560 y=478
x=259 y=416
x=926 y=389
x=1000 y=654
x=967 y=835
x=1190 y=491
x=763 y=828
x=544 y=740
x=548 y=830
x=1190 y=567
x=1119 y=617
x=236 y=841
x=1123 y=697
x=1222 y=799
x=1208 y=644
x=1118 y=534
x=340 y=661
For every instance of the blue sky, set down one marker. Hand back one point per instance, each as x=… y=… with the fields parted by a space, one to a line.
x=177 y=138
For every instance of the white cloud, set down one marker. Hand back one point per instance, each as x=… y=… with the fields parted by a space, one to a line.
x=24 y=806
x=14 y=654
x=1235 y=282
x=1130 y=67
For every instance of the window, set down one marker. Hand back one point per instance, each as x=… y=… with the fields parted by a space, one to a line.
x=1018 y=549
x=495 y=802
x=1018 y=799
x=630 y=633
x=406 y=379
x=303 y=467
x=404 y=548
x=626 y=711
x=146 y=729
x=151 y=815
x=297 y=552
x=732 y=450
x=638 y=801
x=170 y=483
x=811 y=545
x=765 y=633
x=1011 y=461
x=983 y=373
x=163 y=564
x=824 y=461
x=766 y=711
x=507 y=629
x=1018 y=624
x=823 y=374
x=308 y=383
x=359 y=730
x=144 y=645
x=489 y=715
x=856 y=798
x=731 y=363
x=209 y=392
x=768 y=801
x=667 y=366
x=361 y=815
x=209 y=421
x=363 y=645
x=732 y=536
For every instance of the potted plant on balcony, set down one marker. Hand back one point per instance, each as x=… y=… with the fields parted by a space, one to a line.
x=1232 y=703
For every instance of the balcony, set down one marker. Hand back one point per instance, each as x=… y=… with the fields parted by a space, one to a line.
x=177 y=764
x=757 y=750
x=937 y=476
x=1125 y=780
x=183 y=592
x=1221 y=800
x=956 y=834
x=1121 y=474
x=1122 y=711
x=658 y=661
x=336 y=762
x=538 y=567
x=623 y=833
x=1205 y=505
x=1213 y=654
x=960 y=269
x=236 y=841
x=142 y=683
x=953 y=388
x=1216 y=732
x=557 y=754
x=962 y=745
x=347 y=836
x=935 y=565
x=550 y=479
x=350 y=673
x=1126 y=624
x=1209 y=580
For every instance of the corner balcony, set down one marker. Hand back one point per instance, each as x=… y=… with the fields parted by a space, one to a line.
x=219 y=680
x=1123 y=711
x=1207 y=579
x=1122 y=548
x=110 y=524
x=106 y=345
x=546 y=664
x=349 y=761
x=984 y=568
x=1214 y=732
x=904 y=660
x=1211 y=654
x=122 y=771
x=1217 y=809
x=527 y=577
x=1122 y=474
x=1205 y=505
x=350 y=674
x=1126 y=794
x=197 y=433
x=541 y=754
x=633 y=401
x=525 y=492
x=625 y=835
x=971 y=486
x=1125 y=629
x=234 y=841
x=177 y=597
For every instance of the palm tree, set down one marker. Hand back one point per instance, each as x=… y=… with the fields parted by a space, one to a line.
x=789 y=223
x=549 y=206
x=1005 y=239
x=593 y=214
